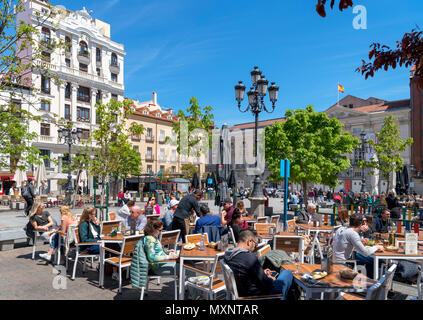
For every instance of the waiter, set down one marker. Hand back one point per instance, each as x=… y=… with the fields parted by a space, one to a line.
x=188 y=204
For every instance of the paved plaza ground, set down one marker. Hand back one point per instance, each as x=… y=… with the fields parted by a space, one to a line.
x=27 y=279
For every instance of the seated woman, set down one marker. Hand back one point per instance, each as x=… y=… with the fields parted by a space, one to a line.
x=342 y=219
x=236 y=223
x=68 y=219
x=240 y=205
x=154 y=250
x=367 y=234
x=152 y=203
x=89 y=231
x=39 y=220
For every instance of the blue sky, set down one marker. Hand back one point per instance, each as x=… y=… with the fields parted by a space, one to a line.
x=185 y=48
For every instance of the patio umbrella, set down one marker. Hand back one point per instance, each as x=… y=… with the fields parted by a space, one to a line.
x=40 y=177
x=233 y=186
x=375 y=179
x=392 y=176
x=406 y=184
x=19 y=177
x=195 y=182
x=83 y=180
x=398 y=184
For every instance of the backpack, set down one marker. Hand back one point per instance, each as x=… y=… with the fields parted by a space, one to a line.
x=25 y=192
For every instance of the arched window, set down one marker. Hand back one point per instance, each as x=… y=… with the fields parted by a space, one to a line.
x=68 y=43
x=114 y=59
x=45 y=34
x=83 y=47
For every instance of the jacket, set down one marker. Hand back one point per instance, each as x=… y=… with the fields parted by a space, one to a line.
x=214 y=233
x=85 y=234
x=139 y=267
x=275 y=258
x=185 y=207
x=29 y=191
x=380 y=225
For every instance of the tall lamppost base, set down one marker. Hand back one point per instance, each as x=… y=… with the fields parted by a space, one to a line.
x=68 y=197
x=257 y=188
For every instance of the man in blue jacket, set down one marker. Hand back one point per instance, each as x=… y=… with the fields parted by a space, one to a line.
x=206 y=219
x=381 y=222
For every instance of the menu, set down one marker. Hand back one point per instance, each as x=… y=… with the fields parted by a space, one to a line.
x=411 y=240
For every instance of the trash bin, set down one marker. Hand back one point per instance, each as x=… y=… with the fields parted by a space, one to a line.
x=159 y=197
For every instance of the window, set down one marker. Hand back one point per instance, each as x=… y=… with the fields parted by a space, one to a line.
x=357 y=130
x=158 y=115
x=149 y=169
x=98 y=54
x=83 y=67
x=68 y=62
x=46 y=153
x=68 y=44
x=173 y=169
x=44 y=10
x=45 y=35
x=169 y=117
x=115 y=97
x=351 y=106
x=145 y=112
x=45 y=129
x=114 y=77
x=83 y=94
x=45 y=105
x=67 y=112
x=162 y=168
x=114 y=61
x=68 y=91
x=162 y=154
x=85 y=134
x=162 y=136
x=83 y=48
x=82 y=114
x=173 y=155
x=45 y=84
x=45 y=56
x=98 y=97
x=98 y=70
x=149 y=133
x=149 y=153
x=136 y=148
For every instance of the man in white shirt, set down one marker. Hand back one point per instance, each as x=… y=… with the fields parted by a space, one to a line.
x=136 y=217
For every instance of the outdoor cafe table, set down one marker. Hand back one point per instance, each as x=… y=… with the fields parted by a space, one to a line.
x=208 y=254
x=398 y=235
x=398 y=255
x=282 y=233
x=316 y=230
x=250 y=220
x=336 y=284
x=108 y=239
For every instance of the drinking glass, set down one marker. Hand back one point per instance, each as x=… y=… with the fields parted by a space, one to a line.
x=297 y=264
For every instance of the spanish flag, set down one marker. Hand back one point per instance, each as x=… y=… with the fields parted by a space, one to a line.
x=340 y=88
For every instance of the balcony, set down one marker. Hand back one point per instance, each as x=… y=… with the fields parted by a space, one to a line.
x=162 y=140
x=83 y=98
x=45 y=90
x=47 y=45
x=45 y=65
x=135 y=138
x=149 y=138
x=84 y=57
x=68 y=51
x=45 y=138
x=114 y=67
x=149 y=158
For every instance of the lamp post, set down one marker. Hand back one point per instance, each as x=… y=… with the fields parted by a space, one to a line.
x=69 y=137
x=364 y=148
x=256 y=104
x=412 y=173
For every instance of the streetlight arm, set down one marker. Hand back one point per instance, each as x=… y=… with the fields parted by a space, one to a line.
x=240 y=108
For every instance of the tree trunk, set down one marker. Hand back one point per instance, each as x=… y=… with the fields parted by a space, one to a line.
x=388 y=187
x=304 y=185
x=75 y=191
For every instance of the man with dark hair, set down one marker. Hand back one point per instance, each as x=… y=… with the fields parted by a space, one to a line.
x=251 y=279
x=206 y=219
x=381 y=222
x=227 y=211
x=186 y=206
x=29 y=195
x=347 y=239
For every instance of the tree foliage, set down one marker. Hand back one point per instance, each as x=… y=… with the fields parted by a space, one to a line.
x=188 y=170
x=315 y=144
x=388 y=147
x=189 y=141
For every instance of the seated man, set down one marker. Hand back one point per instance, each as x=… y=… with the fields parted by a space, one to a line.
x=347 y=239
x=251 y=279
x=381 y=222
x=137 y=218
x=206 y=219
x=310 y=215
x=293 y=200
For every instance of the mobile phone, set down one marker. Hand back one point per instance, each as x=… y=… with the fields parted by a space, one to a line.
x=275 y=274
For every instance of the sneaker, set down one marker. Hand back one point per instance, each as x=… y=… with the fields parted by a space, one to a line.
x=115 y=276
x=45 y=256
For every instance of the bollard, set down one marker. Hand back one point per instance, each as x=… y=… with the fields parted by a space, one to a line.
x=416 y=228
x=352 y=210
x=399 y=227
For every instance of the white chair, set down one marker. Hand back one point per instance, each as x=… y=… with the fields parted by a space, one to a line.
x=262 y=220
x=290 y=244
x=169 y=239
x=194 y=238
x=231 y=232
x=263 y=250
x=231 y=287
x=79 y=252
x=123 y=258
x=274 y=219
x=107 y=227
x=37 y=237
x=214 y=285
x=378 y=291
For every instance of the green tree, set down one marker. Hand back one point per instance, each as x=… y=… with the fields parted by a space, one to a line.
x=188 y=170
x=108 y=148
x=21 y=49
x=187 y=129
x=315 y=145
x=388 y=147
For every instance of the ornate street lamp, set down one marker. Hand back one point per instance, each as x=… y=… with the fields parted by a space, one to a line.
x=69 y=137
x=256 y=104
x=364 y=148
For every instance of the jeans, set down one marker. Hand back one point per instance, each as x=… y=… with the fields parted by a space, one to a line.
x=368 y=263
x=55 y=242
x=283 y=283
x=29 y=203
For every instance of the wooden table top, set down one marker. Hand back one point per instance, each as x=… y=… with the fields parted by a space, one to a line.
x=248 y=218
x=197 y=253
x=399 y=253
x=334 y=279
x=398 y=235
x=119 y=237
x=282 y=233
x=310 y=227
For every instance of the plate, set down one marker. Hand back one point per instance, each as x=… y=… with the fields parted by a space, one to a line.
x=317 y=275
x=391 y=248
x=189 y=246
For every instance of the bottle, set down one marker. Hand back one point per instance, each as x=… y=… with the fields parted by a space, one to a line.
x=132 y=227
x=390 y=239
x=202 y=242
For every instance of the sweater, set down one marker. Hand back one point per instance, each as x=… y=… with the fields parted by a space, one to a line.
x=85 y=234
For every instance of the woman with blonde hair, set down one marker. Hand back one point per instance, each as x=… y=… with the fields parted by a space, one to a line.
x=39 y=220
x=241 y=207
x=68 y=219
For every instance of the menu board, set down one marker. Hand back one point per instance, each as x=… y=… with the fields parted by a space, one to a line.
x=411 y=243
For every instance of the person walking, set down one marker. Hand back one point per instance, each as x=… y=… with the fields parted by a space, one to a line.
x=29 y=195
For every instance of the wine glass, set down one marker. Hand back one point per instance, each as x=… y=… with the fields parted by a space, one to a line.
x=297 y=264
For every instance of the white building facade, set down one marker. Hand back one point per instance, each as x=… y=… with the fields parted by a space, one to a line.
x=90 y=69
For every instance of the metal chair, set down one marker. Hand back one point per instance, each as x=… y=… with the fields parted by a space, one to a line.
x=263 y=250
x=290 y=244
